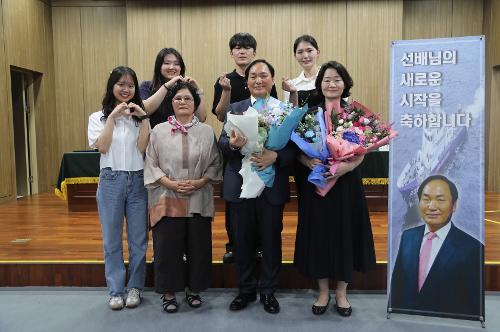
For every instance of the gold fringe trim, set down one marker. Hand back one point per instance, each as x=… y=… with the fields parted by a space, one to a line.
x=375 y=181
x=62 y=193
x=366 y=181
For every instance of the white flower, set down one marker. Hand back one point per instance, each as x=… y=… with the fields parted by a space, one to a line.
x=341 y=121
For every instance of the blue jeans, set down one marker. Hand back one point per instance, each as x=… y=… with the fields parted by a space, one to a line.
x=122 y=194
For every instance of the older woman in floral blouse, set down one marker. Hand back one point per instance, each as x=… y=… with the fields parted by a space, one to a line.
x=182 y=162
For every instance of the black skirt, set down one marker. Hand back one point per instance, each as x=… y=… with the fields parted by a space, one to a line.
x=334 y=235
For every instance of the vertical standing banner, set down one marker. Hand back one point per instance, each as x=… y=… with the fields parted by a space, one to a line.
x=436 y=185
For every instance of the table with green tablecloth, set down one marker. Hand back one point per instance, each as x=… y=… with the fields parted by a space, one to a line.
x=80 y=167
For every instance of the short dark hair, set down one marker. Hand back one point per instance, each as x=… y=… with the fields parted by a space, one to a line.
x=253 y=63
x=305 y=38
x=348 y=83
x=242 y=39
x=179 y=86
x=158 y=78
x=109 y=100
x=451 y=185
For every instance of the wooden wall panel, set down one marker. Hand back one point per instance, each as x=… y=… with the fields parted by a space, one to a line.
x=356 y=33
x=269 y=23
x=427 y=18
x=492 y=31
x=151 y=26
x=368 y=49
x=104 y=47
x=493 y=148
x=330 y=35
x=467 y=18
x=47 y=138
x=495 y=33
x=206 y=28
x=69 y=81
x=28 y=45
x=6 y=149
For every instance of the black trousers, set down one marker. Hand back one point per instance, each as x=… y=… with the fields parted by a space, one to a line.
x=257 y=221
x=174 y=237
x=229 y=244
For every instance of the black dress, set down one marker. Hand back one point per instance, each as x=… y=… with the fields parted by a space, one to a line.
x=334 y=235
x=309 y=97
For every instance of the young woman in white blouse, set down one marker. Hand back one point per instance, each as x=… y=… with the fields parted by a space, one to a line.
x=120 y=131
x=306 y=52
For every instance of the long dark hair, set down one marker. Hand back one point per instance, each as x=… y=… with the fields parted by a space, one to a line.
x=158 y=78
x=348 y=83
x=109 y=100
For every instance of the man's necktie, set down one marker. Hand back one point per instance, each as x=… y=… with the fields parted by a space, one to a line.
x=423 y=261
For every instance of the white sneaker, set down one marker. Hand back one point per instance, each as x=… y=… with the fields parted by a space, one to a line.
x=116 y=302
x=133 y=298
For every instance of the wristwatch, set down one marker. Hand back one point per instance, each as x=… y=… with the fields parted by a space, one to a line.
x=144 y=117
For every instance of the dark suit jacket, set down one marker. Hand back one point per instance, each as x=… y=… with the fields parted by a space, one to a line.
x=279 y=193
x=454 y=282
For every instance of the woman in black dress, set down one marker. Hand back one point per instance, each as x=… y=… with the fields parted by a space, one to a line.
x=334 y=236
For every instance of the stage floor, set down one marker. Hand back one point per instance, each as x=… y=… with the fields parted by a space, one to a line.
x=40 y=229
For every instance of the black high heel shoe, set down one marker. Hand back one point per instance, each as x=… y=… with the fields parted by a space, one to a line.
x=320 y=310
x=344 y=312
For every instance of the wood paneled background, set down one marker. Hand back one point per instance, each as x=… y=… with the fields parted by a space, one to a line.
x=75 y=44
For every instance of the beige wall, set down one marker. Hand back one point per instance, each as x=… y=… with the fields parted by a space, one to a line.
x=26 y=40
x=492 y=32
x=90 y=38
x=6 y=164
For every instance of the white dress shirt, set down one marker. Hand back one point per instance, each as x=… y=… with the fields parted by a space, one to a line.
x=123 y=154
x=437 y=242
x=302 y=83
x=271 y=101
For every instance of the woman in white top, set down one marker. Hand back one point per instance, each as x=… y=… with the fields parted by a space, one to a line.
x=120 y=131
x=306 y=52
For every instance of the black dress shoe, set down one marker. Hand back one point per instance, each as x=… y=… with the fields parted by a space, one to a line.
x=241 y=301
x=271 y=305
x=228 y=258
x=345 y=312
x=320 y=310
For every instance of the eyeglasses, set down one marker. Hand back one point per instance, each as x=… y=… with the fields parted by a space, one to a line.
x=186 y=99
x=334 y=81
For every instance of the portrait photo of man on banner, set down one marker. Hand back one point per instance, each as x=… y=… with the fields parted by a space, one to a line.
x=451 y=285
x=436 y=178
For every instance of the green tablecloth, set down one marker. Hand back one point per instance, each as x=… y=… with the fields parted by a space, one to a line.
x=77 y=167
x=83 y=167
x=375 y=168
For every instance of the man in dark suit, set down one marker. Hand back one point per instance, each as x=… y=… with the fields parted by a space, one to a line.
x=438 y=269
x=256 y=219
x=231 y=88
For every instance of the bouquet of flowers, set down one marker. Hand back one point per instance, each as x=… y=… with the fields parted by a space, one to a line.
x=352 y=131
x=263 y=126
x=310 y=137
x=356 y=130
x=343 y=133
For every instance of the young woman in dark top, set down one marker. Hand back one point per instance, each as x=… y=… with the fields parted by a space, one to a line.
x=169 y=68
